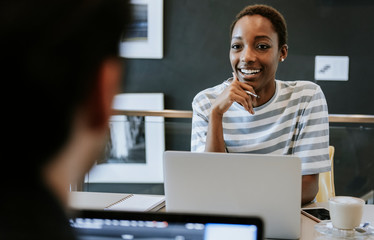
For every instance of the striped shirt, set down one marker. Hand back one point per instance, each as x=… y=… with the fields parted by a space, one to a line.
x=293 y=122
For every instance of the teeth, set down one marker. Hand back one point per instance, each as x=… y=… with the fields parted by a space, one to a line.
x=249 y=71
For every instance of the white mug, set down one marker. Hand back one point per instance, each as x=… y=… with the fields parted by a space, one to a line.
x=346 y=212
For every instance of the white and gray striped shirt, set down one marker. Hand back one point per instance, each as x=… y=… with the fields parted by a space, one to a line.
x=293 y=122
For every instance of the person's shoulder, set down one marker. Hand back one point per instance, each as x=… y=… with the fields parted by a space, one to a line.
x=209 y=93
x=300 y=86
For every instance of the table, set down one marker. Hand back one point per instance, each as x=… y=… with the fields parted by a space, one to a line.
x=307 y=224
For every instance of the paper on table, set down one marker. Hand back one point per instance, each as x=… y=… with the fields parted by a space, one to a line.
x=138 y=202
x=94 y=200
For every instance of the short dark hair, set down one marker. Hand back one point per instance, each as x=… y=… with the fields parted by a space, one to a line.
x=51 y=52
x=275 y=17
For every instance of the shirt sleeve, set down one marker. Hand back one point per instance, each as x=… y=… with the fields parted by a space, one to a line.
x=312 y=143
x=200 y=121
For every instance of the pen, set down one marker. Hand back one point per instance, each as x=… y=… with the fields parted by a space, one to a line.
x=248 y=92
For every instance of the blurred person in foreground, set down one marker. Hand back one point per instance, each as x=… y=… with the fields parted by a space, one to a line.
x=60 y=70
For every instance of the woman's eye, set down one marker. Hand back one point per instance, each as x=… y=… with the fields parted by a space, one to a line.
x=263 y=46
x=235 y=46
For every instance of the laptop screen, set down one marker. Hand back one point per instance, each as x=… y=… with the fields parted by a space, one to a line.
x=164 y=226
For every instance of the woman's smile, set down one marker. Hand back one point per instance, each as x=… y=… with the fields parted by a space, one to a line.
x=248 y=74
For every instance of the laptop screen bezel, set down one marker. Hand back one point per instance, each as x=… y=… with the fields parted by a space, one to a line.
x=173 y=218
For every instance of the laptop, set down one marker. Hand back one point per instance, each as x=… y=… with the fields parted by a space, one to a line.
x=103 y=225
x=268 y=186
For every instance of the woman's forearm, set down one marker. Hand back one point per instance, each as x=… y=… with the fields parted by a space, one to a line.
x=309 y=188
x=214 y=139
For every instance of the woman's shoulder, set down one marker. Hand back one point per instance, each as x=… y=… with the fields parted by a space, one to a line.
x=209 y=93
x=300 y=91
x=298 y=86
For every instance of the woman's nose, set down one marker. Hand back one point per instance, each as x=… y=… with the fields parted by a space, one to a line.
x=248 y=55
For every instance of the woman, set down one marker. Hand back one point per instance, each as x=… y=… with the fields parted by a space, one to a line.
x=252 y=112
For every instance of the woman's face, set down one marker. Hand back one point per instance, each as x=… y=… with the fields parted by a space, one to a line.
x=254 y=52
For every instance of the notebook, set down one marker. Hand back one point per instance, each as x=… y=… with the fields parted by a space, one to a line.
x=268 y=186
x=116 y=201
x=147 y=225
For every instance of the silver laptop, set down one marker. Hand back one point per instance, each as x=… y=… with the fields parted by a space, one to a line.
x=268 y=186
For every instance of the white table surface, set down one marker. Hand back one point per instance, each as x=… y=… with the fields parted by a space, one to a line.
x=307 y=224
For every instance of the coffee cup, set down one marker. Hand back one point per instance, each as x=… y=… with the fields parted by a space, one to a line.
x=346 y=212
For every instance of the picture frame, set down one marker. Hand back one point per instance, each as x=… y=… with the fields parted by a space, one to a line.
x=144 y=36
x=150 y=171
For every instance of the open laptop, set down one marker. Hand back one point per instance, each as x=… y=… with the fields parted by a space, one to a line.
x=104 y=225
x=268 y=186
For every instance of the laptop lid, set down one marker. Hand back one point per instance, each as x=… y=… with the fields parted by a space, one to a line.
x=100 y=225
x=268 y=186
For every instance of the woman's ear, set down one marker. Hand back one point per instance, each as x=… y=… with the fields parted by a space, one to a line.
x=283 y=52
x=101 y=101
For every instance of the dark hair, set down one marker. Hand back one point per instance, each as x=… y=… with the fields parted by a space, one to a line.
x=50 y=57
x=275 y=17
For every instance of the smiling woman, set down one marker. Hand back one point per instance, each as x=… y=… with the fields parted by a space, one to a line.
x=288 y=118
x=256 y=50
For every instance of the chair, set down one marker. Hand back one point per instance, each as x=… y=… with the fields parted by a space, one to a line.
x=326 y=181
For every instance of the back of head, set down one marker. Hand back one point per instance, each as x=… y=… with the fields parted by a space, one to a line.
x=50 y=56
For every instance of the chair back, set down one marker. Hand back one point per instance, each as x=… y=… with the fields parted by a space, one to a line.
x=326 y=181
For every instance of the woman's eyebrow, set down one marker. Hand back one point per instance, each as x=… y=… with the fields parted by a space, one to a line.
x=237 y=37
x=263 y=36
x=256 y=38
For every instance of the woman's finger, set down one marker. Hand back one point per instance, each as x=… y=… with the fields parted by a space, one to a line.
x=243 y=99
x=234 y=77
x=250 y=99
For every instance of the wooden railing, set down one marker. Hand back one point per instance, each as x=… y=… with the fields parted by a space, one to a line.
x=333 y=118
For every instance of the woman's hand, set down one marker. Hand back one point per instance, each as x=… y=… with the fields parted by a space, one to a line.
x=235 y=92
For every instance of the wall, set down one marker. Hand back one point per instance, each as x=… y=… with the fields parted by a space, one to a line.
x=196 y=49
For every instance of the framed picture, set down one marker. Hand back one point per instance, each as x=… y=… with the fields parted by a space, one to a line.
x=135 y=144
x=144 y=36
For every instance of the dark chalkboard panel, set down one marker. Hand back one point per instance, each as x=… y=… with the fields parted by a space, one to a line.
x=196 y=49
